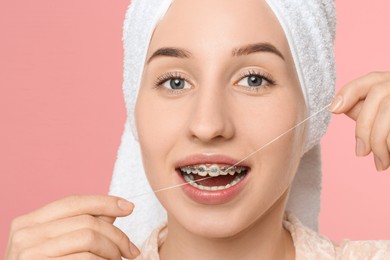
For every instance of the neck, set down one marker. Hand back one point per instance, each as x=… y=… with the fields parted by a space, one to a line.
x=266 y=238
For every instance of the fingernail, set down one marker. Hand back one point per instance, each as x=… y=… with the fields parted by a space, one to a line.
x=125 y=205
x=134 y=250
x=336 y=104
x=378 y=163
x=360 y=147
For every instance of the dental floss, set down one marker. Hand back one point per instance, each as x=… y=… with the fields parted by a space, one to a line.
x=246 y=157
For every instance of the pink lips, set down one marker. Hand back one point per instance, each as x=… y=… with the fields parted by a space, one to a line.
x=205 y=196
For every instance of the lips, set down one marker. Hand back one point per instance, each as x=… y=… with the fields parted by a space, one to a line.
x=212 y=179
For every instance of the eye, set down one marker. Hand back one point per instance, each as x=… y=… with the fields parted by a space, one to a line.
x=255 y=81
x=173 y=82
x=176 y=84
x=252 y=81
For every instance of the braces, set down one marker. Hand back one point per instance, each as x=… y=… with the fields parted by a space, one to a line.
x=212 y=170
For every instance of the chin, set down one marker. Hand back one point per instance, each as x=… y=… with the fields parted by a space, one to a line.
x=213 y=221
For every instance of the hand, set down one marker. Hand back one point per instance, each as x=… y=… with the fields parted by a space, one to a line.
x=367 y=101
x=76 y=227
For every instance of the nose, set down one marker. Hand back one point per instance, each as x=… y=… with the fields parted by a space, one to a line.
x=211 y=119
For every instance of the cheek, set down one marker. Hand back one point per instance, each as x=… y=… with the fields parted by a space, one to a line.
x=157 y=126
x=158 y=130
x=289 y=139
x=271 y=122
x=278 y=161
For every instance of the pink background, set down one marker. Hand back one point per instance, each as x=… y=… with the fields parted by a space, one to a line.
x=62 y=113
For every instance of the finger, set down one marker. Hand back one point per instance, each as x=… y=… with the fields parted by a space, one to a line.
x=107 y=219
x=367 y=115
x=32 y=236
x=379 y=136
x=357 y=90
x=80 y=241
x=76 y=205
x=354 y=112
x=79 y=256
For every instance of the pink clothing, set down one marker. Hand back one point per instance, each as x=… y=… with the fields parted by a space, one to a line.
x=308 y=244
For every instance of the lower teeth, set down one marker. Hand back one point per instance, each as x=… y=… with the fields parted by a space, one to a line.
x=190 y=180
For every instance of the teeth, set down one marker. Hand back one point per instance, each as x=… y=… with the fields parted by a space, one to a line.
x=202 y=170
x=190 y=180
x=214 y=170
x=223 y=172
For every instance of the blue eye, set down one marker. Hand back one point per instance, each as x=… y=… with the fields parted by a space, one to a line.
x=176 y=84
x=252 y=81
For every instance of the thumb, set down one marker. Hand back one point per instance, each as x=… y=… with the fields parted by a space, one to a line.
x=354 y=112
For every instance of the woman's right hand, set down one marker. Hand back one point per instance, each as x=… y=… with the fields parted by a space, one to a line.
x=76 y=227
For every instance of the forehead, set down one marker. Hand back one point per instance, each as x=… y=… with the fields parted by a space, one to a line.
x=205 y=25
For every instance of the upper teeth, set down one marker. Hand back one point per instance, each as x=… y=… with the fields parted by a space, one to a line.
x=212 y=170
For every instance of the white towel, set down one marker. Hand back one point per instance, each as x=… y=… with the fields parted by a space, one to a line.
x=309 y=26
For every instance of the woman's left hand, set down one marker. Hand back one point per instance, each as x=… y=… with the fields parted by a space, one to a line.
x=367 y=101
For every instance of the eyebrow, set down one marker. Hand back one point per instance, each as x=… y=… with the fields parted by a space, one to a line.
x=257 y=47
x=241 y=51
x=170 y=52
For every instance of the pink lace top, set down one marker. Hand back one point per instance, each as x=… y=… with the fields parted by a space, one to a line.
x=308 y=244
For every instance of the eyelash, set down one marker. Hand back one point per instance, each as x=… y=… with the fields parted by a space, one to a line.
x=265 y=76
x=177 y=75
x=167 y=76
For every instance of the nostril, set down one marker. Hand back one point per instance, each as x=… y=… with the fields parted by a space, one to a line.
x=210 y=119
x=213 y=131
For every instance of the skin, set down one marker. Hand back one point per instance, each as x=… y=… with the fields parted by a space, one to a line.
x=216 y=113
x=75 y=227
x=80 y=227
x=366 y=100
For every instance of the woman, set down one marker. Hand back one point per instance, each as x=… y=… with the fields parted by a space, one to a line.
x=220 y=79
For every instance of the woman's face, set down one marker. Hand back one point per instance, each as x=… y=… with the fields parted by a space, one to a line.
x=219 y=82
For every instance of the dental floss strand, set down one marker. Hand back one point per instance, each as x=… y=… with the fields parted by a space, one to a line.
x=245 y=158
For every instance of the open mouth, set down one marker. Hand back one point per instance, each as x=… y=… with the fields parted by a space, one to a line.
x=213 y=177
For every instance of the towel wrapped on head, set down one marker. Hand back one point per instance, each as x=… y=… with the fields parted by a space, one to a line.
x=309 y=26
